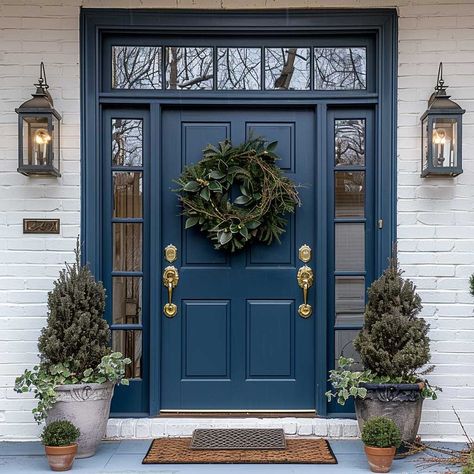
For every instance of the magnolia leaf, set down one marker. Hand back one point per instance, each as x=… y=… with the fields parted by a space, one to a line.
x=191 y=221
x=215 y=186
x=242 y=200
x=272 y=145
x=205 y=194
x=244 y=232
x=191 y=186
x=225 y=238
x=252 y=225
x=216 y=174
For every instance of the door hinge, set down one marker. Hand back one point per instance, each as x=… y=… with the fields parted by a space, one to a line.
x=380 y=223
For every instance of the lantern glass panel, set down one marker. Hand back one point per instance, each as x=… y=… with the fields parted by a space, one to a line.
x=444 y=142
x=424 y=143
x=55 y=140
x=36 y=140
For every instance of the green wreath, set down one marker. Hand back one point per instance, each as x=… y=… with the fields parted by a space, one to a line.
x=257 y=214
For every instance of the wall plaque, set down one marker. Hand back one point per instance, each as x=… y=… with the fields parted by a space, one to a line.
x=41 y=226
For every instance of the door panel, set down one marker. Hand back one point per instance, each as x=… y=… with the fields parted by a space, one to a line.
x=237 y=341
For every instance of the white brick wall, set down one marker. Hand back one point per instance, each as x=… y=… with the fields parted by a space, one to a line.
x=436 y=217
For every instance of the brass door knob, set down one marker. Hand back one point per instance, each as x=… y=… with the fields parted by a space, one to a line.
x=305 y=280
x=170 y=281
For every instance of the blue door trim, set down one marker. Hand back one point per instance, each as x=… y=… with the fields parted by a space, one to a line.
x=96 y=24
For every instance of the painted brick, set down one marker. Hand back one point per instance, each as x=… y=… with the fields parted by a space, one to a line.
x=435 y=217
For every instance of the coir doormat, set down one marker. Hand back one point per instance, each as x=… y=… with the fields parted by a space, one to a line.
x=298 y=451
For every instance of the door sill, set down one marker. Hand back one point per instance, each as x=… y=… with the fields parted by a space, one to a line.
x=237 y=413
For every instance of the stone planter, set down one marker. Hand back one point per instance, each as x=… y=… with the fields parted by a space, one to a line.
x=87 y=406
x=400 y=402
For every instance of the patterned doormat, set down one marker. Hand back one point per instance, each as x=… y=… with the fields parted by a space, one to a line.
x=298 y=451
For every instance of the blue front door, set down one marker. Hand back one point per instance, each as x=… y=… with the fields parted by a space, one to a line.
x=237 y=341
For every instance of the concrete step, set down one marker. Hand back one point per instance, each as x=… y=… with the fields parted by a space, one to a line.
x=143 y=428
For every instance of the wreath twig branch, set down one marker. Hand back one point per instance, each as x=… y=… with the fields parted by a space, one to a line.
x=207 y=189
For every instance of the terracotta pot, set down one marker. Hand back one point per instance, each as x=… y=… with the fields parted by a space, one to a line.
x=380 y=459
x=60 y=458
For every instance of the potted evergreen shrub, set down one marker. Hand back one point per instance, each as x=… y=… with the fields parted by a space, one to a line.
x=393 y=347
x=77 y=372
x=381 y=437
x=59 y=441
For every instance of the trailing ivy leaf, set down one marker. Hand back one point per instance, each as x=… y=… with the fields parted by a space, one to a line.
x=225 y=238
x=190 y=221
x=191 y=186
x=362 y=392
x=205 y=194
x=215 y=186
x=216 y=174
x=242 y=200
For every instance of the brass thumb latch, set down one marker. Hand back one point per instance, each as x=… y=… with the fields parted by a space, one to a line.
x=170 y=280
x=305 y=280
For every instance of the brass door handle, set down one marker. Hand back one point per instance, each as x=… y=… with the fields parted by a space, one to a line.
x=170 y=280
x=305 y=280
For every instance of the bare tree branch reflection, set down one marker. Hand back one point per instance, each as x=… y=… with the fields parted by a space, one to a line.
x=238 y=68
x=189 y=68
x=287 y=68
x=127 y=142
x=350 y=142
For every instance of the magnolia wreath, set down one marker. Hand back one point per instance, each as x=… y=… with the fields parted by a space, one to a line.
x=207 y=190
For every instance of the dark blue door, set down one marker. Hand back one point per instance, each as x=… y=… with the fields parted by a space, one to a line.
x=237 y=341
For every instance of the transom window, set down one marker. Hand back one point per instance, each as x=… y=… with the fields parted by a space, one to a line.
x=245 y=68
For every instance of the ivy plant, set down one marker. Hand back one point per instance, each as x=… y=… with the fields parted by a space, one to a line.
x=471 y=284
x=43 y=379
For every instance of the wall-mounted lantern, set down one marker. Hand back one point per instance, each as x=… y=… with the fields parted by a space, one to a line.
x=441 y=134
x=39 y=132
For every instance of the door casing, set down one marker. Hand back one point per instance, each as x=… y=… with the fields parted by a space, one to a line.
x=96 y=24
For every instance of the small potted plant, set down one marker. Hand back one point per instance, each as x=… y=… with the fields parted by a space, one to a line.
x=381 y=437
x=60 y=444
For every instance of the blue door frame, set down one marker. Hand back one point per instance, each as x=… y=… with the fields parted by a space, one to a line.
x=98 y=26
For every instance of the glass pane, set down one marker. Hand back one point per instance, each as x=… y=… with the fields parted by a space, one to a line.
x=444 y=142
x=424 y=141
x=128 y=191
x=350 y=247
x=349 y=188
x=189 y=68
x=129 y=343
x=127 y=247
x=127 y=142
x=238 y=68
x=350 y=300
x=56 y=139
x=344 y=346
x=349 y=142
x=340 y=68
x=36 y=133
x=136 y=67
x=127 y=300
x=287 y=68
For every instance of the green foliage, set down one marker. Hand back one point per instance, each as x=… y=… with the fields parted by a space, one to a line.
x=381 y=432
x=394 y=341
x=76 y=331
x=257 y=213
x=60 y=433
x=469 y=467
x=346 y=382
x=471 y=284
x=43 y=379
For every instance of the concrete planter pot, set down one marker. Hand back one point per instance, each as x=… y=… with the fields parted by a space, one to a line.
x=87 y=406
x=60 y=458
x=379 y=459
x=400 y=402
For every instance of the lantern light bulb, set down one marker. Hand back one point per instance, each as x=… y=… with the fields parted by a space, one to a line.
x=42 y=137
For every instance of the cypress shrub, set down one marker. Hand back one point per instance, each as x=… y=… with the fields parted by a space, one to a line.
x=76 y=332
x=393 y=342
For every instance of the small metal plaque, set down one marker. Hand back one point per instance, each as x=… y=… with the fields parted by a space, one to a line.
x=41 y=226
x=171 y=253
x=240 y=438
x=304 y=253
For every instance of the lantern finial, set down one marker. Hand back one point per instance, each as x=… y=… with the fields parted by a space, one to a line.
x=440 y=88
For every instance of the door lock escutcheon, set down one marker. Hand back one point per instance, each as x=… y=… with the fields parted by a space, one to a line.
x=170 y=281
x=305 y=280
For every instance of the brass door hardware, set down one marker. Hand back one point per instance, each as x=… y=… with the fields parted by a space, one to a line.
x=304 y=253
x=170 y=280
x=305 y=280
x=171 y=253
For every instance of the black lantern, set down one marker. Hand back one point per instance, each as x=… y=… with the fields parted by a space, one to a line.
x=39 y=132
x=441 y=132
